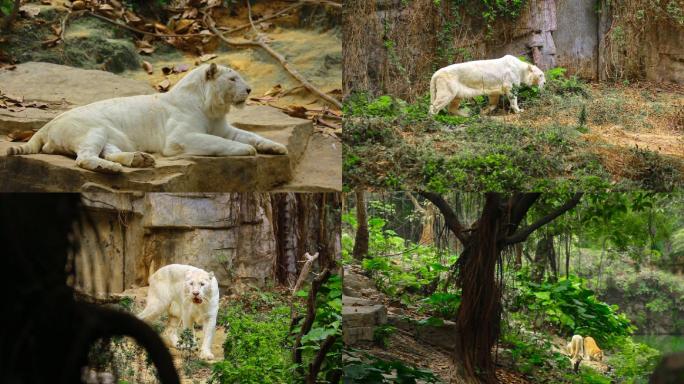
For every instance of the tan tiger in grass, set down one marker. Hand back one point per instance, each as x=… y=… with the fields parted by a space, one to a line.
x=575 y=349
x=592 y=350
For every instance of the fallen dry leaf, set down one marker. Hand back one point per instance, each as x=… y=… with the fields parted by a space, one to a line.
x=164 y=85
x=49 y=43
x=207 y=57
x=131 y=17
x=190 y=13
x=296 y=111
x=144 y=47
x=37 y=104
x=20 y=136
x=105 y=7
x=147 y=67
x=275 y=90
x=78 y=5
x=17 y=109
x=13 y=99
x=183 y=25
x=263 y=99
x=46 y=2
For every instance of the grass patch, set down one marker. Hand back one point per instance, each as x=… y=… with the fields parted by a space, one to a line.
x=558 y=142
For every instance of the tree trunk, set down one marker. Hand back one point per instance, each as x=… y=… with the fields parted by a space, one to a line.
x=481 y=296
x=361 y=240
x=479 y=315
x=543 y=254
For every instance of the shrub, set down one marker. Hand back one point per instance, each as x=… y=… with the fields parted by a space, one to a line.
x=255 y=348
x=573 y=308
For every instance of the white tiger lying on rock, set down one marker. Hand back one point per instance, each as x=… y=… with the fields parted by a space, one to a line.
x=493 y=78
x=188 y=295
x=190 y=119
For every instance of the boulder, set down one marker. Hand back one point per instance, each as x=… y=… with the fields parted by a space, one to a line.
x=63 y=88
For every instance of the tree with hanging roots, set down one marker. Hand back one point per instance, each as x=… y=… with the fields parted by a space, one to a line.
x=500 y=225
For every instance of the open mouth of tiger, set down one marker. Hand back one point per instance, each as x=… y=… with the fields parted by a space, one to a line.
x=197 y=300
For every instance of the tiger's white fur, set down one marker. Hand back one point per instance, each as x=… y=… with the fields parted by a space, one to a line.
x=493 y=78
x=190 y=119
x=189 y=296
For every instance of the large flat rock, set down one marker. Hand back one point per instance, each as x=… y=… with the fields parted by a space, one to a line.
x=55 y=173
x=63 y=88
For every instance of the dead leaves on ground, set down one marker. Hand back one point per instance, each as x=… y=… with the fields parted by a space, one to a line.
x=330 y=118
x=21 y=135
x=17 y=104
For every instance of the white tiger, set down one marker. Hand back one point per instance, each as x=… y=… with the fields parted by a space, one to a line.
x=188 y=295
x=190 y=119
x=493 y=78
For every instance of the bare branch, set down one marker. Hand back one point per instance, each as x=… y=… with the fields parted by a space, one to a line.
x=280 y=58
x=449 y=216
x=524 y=233
x=306 y=268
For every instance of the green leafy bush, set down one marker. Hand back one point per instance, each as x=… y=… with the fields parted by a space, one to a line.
x=573 y=308
x=255 y=349
x=377 y=371
x=633 y=362
x=328 y=322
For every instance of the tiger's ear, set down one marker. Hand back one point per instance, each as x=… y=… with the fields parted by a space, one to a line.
x=211 y=275
x=212 y=71
x=529 y=67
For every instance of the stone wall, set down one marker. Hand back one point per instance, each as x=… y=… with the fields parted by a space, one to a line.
x=127 y=237
x=393 y=46
x=229 y=234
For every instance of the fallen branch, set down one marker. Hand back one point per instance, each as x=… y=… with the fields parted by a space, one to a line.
x=273 y=16
x=136 y=30
x=260 y=43
x=306 y=268
x=310 y=315
x=315 y=366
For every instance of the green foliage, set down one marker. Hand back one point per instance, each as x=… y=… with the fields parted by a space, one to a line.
x=573 y=308
x=442 y=304
x=6 y=7
x=529 y=355
x=400 y=267
x=382 y=333
x=377 y=371
x=256 y=347
x=633 y=362
x=328 y=322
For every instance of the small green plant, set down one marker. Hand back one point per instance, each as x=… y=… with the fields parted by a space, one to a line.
x=382 y=333
x=379 y=371
x=187 y=345
x=582 y=120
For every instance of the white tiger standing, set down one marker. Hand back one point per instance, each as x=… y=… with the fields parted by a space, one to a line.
x=189 y=296
x=493 y=78
x=188 y=120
